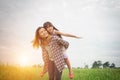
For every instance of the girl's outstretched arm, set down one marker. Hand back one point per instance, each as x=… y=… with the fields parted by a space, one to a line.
x=66 y=34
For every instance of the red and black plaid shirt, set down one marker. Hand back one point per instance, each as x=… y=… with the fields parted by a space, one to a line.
x=56 y=44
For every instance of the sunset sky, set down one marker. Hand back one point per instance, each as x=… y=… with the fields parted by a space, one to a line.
x=96 y=21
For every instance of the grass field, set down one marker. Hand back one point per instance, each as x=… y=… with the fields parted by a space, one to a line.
x=32 y=73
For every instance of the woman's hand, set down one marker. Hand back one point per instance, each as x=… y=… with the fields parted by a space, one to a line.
x=42 y=74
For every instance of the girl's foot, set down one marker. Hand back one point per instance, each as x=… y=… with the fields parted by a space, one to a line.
x=71 y=76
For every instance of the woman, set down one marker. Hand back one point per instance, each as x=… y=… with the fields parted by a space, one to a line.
x=52 y=52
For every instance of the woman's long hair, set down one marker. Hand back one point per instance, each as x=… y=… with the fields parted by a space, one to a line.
x=36 y=41
x=46 y=24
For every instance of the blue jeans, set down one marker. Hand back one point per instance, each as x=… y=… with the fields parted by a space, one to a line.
x=53 y=72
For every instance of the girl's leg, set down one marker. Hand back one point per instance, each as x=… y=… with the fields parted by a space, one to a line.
x=69 y=67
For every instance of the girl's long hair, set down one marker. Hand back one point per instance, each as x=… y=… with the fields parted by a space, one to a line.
x=46 y=24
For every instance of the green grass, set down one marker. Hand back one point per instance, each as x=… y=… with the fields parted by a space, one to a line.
x=31 y=73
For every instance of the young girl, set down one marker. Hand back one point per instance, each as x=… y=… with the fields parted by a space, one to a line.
x=54 y=31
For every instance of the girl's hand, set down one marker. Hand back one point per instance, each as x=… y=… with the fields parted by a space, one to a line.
x=78 y=37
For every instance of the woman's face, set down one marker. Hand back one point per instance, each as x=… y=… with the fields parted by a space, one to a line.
x=43 y=33
x=50 y=29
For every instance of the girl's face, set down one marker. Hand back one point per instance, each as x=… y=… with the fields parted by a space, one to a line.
x=43 y=33
x=50 y=29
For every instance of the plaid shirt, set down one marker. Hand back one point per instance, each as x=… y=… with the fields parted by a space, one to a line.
x=56 y=44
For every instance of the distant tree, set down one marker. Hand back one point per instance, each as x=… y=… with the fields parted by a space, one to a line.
x=86 y=66
x=97 y=64
x=78 y=67
x=106 y=65
x=112 y=65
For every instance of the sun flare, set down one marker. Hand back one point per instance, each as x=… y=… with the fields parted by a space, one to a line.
x=23 y=61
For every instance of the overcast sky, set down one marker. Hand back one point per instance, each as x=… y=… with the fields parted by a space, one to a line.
x=97 y=21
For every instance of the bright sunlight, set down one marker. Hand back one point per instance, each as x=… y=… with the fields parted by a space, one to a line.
x=23 y=61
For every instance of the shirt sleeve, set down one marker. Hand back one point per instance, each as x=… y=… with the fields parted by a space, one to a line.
x=61 y=41
x=45 y=59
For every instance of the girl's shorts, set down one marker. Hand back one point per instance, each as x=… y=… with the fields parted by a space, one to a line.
x=65 y=55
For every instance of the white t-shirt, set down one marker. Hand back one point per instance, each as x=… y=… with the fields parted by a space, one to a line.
x=49 y=52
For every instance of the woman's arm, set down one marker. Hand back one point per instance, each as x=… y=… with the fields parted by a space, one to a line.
x=45 y=59
x=66 y=34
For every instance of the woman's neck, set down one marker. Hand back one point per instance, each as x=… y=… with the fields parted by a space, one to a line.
x=46 y=40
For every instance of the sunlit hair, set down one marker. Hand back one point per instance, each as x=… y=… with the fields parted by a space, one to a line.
x=36 y=42
x=49 y=24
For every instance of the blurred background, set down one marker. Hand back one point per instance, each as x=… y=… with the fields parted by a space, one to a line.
x=96 y=21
